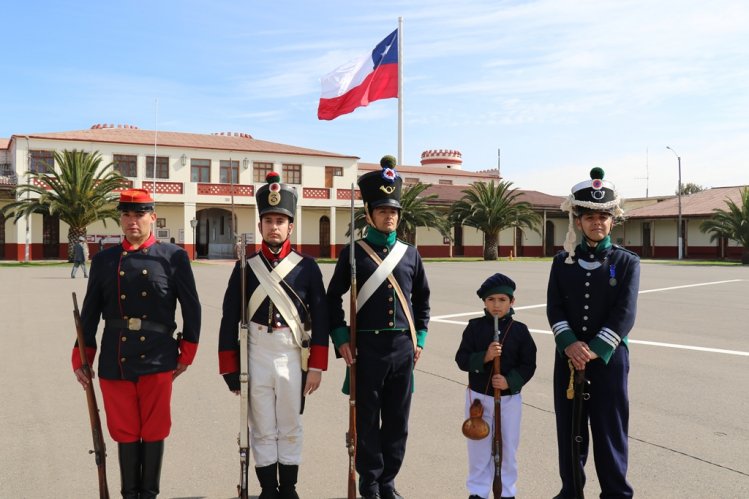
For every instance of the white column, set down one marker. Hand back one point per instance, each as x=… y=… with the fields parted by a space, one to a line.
x=333 y=252
x=298 y=222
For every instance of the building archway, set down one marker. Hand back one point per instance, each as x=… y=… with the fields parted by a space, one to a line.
x=51 y=236
x=324 y=237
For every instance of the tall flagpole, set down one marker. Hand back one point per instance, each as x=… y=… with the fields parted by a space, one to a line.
x=400 y=91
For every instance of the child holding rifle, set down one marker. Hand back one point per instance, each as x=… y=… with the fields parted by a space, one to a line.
x=476 y=355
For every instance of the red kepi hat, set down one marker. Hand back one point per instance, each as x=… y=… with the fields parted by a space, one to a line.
x=135 y=200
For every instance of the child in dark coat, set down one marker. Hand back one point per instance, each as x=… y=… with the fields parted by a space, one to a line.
x=476 y=354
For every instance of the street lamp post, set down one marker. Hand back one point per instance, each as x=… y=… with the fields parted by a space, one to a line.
x=678 y=195
x=194 y=225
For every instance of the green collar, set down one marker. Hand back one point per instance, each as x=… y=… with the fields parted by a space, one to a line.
x=378 y=238
x=602 y=246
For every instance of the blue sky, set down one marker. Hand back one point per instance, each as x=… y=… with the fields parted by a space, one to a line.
x=558 y=86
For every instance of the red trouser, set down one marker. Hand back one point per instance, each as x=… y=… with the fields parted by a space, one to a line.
x=138 y=410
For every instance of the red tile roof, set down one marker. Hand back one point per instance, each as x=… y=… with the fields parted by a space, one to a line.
x=4 y=143
x=699 y=204
x=447 y=194
x=184 y=140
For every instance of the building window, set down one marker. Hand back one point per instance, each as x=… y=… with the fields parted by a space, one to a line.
x=292 y=174
x=162 y=167
x=126 y=165
x=229 y=172
x=260 y=170
x=41 y=161
x=411 y=180
x=330 y=172
x=200 y=170
x=446 y=182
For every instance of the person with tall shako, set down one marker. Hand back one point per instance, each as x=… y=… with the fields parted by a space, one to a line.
x=392 y=318
x=135 y=286
x=476 y=353
x=591 y=307
x=288 y=340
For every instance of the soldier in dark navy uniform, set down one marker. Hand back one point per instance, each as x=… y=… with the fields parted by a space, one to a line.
x=135 y=287
x=288 y=340
x=591 y=307
x=390 y=335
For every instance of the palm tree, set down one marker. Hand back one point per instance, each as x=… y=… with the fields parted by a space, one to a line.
x=732 y=223
x=79 y=195
x=492 y=208
x=415 y=213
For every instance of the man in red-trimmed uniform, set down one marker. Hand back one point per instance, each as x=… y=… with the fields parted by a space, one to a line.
x=288 y=336
x=134 y=287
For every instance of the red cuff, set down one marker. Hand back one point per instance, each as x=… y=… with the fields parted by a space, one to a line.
x=228 y=361
x=318 y=357
x=75 y=358
x=187 y=351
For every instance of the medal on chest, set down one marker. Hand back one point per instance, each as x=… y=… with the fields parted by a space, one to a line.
x=612 y=275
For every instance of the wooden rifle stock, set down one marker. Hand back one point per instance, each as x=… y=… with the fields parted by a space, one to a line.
x=351 y=434
x=244 y=438
x=100 y=450
x=497 y=445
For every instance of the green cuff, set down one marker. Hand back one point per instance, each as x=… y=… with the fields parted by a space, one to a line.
x=340 y=335
x=476 y=362
x=603 y=349
x=565 y=339
x=515 y=381
x=421 y=337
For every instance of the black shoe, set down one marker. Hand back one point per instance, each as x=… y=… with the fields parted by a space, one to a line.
x=376 y=495
x=475 y=496
x=390 y=494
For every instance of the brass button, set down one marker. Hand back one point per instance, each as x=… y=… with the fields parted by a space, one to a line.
x=125 y=317
x=390 y=312
x=390 y=286
x=390 y=324
x=385 y=250
x=143 y=293
x=144 y=250
x=145 y=271
x=390 y=299
x=144 y=316
x=123 y=359
x=122 y=272
x=124 y=253
x=124 y=338
x=142 y=338
x=142 y=356
x=122 y=297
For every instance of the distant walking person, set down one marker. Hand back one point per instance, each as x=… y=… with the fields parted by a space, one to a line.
x=79 y=258
x=591 y=307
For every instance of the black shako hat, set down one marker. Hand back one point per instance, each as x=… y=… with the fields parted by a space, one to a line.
x=381 y=188
x=275 y=197
x=595 y=194
x=497 y=284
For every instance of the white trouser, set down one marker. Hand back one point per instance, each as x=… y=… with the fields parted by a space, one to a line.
x=275 y=396
x=480 y=459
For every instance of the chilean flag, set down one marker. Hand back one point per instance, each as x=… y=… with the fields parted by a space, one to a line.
x=361 y=81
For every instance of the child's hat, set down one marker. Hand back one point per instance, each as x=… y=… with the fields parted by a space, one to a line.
x=497 y=284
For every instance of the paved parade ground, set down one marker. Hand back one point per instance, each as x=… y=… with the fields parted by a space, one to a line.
x=689 y=386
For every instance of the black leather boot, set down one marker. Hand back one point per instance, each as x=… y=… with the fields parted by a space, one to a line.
x=266 y=475
x=129 y=456
x=151 y=457
x=287 y=476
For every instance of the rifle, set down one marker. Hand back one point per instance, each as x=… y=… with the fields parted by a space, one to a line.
x=351 y=433
x=497 y=446
x=579 y=394
x=100 y=450
x=244 y=389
